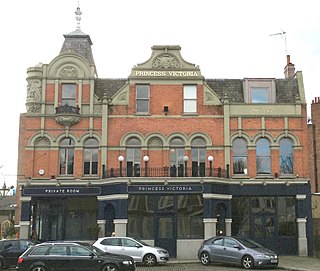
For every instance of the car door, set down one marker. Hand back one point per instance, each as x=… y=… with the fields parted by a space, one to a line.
x=112 y=245
x=231 y=251
x=132 y=248
x=216 y=250
x=82 y=259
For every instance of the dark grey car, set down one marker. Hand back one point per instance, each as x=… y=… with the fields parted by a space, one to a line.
x=237 y=251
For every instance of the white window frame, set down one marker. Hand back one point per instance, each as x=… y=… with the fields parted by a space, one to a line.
x=190 y=101
x=142 y=99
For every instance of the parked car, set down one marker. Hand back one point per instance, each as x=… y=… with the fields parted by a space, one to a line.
x=237 y=251
x=10 y=250
x=137 y=249
x=65 y=256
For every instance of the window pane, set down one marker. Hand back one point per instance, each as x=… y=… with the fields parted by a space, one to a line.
x=286 y=156
x=190 y=92
x=240 y=156
x=190 y=106
x=68 y=94
x=142 y=106
x=260 y=95
x=142 y=91
x=142 y=98
x=263 y=156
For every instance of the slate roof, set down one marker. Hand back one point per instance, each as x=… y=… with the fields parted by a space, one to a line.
x=286 y=89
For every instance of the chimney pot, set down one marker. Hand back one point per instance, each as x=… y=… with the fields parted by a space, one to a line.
x=288 y=59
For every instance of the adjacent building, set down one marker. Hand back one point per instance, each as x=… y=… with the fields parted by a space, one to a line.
x=165 y=155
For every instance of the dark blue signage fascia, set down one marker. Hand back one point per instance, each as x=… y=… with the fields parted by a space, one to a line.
x=61 y=191
x=169 y=189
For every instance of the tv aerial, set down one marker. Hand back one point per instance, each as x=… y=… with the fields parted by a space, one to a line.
x=283 y=35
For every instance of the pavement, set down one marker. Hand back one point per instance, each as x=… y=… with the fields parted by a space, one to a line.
x=295 y=263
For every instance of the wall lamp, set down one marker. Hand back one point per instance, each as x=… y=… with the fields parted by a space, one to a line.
x=120 y=159
x=146 y=159
x=210 y=159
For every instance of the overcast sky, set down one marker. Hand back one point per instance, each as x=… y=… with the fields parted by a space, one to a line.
x=227 y=39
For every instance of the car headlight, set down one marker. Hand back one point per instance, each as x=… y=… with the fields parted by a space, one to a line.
x=126 y=262
x=262 y=256
x=161 y=251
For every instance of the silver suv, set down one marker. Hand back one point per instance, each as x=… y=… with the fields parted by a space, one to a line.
x=137 y=249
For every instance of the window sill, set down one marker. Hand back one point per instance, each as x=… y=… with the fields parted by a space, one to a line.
x=264 y=176
x=240 y=176
x=143 y=114
x=287 y=176
x=190 y=114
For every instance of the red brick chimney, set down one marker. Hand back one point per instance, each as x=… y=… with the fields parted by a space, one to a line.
x=289 y=70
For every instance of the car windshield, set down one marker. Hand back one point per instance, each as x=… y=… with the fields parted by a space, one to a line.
x=249 y=243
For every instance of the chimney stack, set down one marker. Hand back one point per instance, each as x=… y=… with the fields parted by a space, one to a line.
x=289 y=70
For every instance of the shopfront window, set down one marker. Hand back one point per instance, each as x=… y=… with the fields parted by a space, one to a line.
x=141 y=217
x=190 y=216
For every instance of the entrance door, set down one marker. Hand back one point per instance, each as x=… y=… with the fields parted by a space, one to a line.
x=263 y=229
x=165 y=236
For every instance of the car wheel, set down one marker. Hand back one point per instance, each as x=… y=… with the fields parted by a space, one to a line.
x=205 y=258
x=109 y=267
x=247 y=262
x=38 y=268
x=150 y=260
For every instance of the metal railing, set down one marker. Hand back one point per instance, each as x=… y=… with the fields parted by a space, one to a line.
x=164 y=172
x=68 y=109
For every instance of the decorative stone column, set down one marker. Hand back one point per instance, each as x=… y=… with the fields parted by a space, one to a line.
x=210 y=227
x=228 y=222
x=102 y=225
x=302 y=237
x=24 y=229
x=120 y=227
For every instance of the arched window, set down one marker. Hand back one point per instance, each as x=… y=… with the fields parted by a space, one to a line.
x=263 y=156
x=240 y=156
x=66 y=156
x=286 y=156
x=133 y=157
x=176 y=157
x=90 y=157
x=198 y=152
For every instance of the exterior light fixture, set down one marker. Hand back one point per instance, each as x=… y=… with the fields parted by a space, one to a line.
x=120 y=159
x=146 y=159
x=185 y=159
x=210 y=159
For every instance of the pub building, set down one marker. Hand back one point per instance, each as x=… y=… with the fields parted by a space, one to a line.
x=165 y=155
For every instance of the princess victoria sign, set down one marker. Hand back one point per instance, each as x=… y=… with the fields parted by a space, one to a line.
x=172 y=189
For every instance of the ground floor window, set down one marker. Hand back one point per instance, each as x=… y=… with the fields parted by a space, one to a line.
x=263 y=217
x=65 y=218
x=150 y=216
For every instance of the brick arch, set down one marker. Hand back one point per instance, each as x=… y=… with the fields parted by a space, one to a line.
x=243 y=135
x=179 y=135
x=124 y=139
x=265 y=135
x=159 y=136
x=62 y=136
x=87 y=136
x=204 y=136
x=33 y=140
x=295 y=140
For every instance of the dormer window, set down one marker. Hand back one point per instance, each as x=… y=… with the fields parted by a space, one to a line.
x=259 y=91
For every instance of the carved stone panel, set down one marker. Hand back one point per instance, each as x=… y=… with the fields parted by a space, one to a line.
x=166 y=61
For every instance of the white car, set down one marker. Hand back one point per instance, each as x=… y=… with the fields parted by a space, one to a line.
x=137 y=249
